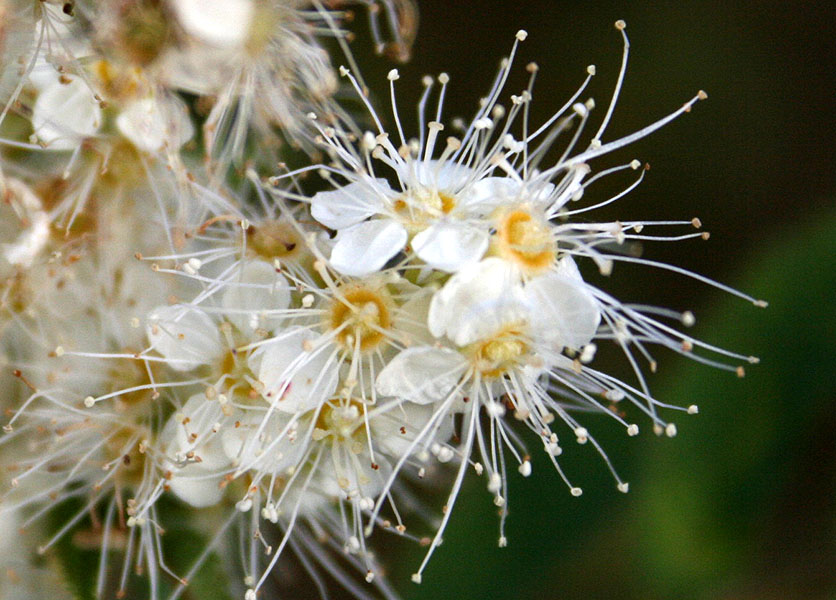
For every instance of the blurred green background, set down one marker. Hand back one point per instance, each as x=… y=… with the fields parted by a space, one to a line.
x=742 y=503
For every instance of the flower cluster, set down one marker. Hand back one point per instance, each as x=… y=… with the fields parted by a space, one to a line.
x=294 y=362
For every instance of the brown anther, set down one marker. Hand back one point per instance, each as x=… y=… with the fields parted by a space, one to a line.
x=25 y=381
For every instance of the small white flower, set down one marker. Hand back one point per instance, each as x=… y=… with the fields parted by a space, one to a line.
x=434 y=208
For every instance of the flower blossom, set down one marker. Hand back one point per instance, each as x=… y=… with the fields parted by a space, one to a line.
x=198 y=335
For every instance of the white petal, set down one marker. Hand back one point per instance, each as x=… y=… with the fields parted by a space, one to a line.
x=264 y=453
x=447 y=176
x=485 y=195
x=196 y=68
x=294 y=377
x=62 y=46
x=186 y=338
x=421 y=375
x=196 y=435
x=396 y=429
x=449 y=245
x=196 y=487
x=24 y=220
x=563 y=311
x=411 y=320
x=9 y=530
x=568 y=268
x=258 y=288
x=349 y=205
x=196 y=483
x=477 y=301
x=223 y=23
x=364 y=248
x=66 y=113
x=150 y=123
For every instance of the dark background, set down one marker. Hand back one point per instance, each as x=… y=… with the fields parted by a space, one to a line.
x=740 y=505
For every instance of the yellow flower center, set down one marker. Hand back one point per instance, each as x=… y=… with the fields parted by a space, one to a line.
x=232 y=373
x=525 y=240
x=420 y=207
x=497 y=355
x=361 y=317
x=343 y=421
x=119 y=82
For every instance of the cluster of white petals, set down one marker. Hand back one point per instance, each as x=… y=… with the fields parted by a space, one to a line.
x=194 y=341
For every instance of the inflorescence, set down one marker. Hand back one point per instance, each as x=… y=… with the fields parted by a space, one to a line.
x=295 y=356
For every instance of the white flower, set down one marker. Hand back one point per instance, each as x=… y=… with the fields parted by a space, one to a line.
x=448 y=210
x=306 y=364
x=434 y=208
x=65 y=112
x=222 y=23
